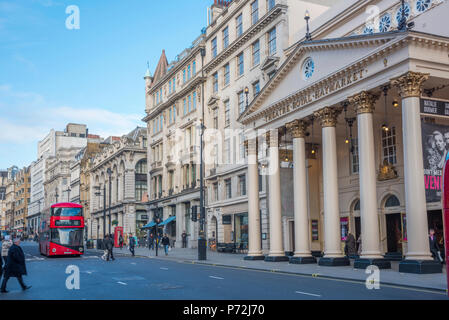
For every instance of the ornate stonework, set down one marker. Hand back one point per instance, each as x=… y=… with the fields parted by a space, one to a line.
x=272 y=139
x=328 y=116
x=298 y=128
x=410 y=84
x=251 y=146
x=364 y=102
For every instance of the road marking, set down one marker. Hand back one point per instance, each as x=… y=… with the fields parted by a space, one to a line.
x=164 y=268
x=133 y=263
x=119 y=282
x=218 y=278
x=308 y=294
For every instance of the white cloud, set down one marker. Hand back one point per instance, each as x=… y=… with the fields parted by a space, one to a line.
x=26 y=117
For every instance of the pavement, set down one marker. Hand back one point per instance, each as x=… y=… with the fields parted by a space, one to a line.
x=389 y=277
x=171 y=278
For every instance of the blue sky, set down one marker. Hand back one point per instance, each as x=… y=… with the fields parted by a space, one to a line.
x=50 y=75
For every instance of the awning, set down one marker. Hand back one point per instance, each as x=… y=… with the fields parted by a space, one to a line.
x=167 y=221
x=150 y=225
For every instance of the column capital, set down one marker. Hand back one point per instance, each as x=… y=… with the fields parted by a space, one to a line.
x=364 y=102
x=410 y=84
x=251 y=146
x=298 y=128
x=328 y=116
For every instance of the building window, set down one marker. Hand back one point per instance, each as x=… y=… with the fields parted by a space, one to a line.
x=272 y=42
x=216 y=191
x=174 y=84
x=423 y=5
x=227 y=113
x=228 y=188
x=406 y=13
x=256 y=88
x=255 y=12
x=242 y=185
x=194 y=100
x=214 y=47
x=216 y=118
x=308 y=68
x=215 y=82
x=355 y=157
x=241 y=96
x=189 y=72
x=185 y=106
x=239 y=25
x=184 y=76
x=169 y=87
x=226 y=74
x=225 y=37
x=385 y=23
x=240 y=64
x=190 y=103
x=389 y=145
x=227 y=151
x=256 y=53
x=271 y=4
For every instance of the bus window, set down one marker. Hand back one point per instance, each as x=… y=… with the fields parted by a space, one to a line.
x=67 y=212
x=67 y=237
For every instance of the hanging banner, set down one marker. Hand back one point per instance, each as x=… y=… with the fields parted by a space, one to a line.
x=435 y=142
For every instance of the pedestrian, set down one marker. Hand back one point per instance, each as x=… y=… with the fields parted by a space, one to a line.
x=6 y=244
x=350 y=245
x=165 y=243
x=434 y=247
x=109 y=244
x=15 y=266
x=132 y=243
x=184 y=239
x=151 y=241
x=120 y=239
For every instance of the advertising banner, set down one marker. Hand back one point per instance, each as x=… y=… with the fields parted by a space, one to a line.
x=435 y=142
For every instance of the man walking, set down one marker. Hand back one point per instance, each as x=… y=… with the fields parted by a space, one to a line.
x=132 y=243
x=120 y=239
x=109 y=247
x=434 y=247
x=184 y=239
x=151 y=241
x=15 y=266
x=165 y=243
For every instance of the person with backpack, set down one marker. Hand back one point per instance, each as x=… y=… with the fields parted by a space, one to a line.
x=165 y=243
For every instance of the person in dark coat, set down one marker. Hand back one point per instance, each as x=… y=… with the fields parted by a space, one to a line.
x=165 y=243
x=132 y=244
x=151 y=241
x=109 y=245
x=15 y=266
x=184 y=239
x=120 y=240
x=433 y=243
x=350 y=245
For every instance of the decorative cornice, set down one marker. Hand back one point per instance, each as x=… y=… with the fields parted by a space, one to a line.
x=328 y=116
x=298 y=128
x=364 y=102
x=410 y=84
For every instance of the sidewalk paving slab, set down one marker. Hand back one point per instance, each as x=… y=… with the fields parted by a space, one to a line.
x=392 y=276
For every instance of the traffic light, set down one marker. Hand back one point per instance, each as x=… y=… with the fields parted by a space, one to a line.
x=195 y=213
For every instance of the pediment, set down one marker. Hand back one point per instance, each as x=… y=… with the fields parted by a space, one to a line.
x=325 y=59
x=270 y=63
x=212 y=100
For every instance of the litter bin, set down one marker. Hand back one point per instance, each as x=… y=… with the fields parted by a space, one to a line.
x=202 y=246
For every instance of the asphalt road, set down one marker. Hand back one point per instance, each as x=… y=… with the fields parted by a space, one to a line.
x=129 y=278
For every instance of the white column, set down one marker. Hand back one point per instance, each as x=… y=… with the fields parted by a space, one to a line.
x=409 y=87
x=254 y=232
x=364 y=103
x=275 y=209
x=332 y=234
x=301 y=202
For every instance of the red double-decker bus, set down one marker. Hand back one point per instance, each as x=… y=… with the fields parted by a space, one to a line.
x=61 y=230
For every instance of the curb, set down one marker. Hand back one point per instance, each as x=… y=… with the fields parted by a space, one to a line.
x=313 y=275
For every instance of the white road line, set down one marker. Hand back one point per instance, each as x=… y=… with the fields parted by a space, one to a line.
x=308 y=294
x=164 y=268
x=218 y=278
x=133 y=263
x=119 y=282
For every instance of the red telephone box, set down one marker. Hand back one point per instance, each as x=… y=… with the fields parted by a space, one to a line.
x=445 y=206
x=117 y=233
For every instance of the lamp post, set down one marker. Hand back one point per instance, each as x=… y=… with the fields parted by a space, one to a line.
x=307 y=18
x=109 y=172
x=98 y=194
x=201 y=238
x=246 y=94
x=68 y=193
x=56 y=195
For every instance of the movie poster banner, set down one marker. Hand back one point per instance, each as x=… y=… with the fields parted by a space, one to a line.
x=435 y=147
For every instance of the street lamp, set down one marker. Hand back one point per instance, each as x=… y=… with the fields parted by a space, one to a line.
x=247 y=93
x=307 y=18
x=56 y=195
x=68 y=193
x=109 y=172
x=98 y=194
x=201 y=238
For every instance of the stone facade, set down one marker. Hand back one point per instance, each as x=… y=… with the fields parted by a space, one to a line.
x=22 y=199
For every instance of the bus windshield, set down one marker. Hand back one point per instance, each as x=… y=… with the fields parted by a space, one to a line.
x=67 y=212
x=67 y=237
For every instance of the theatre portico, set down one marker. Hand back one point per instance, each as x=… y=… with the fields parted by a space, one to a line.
x=352 y=109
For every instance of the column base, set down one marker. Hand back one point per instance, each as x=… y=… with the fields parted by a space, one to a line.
x=393 y=256
x=302 y=260
x=353 y=257
x=420 y=266
x=253 y=258
x=362 y=263
x=276 y=258
x=334 y=262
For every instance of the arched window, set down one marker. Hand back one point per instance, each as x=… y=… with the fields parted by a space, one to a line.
x=392 y=201
x=141 y=167
x=356 y=206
